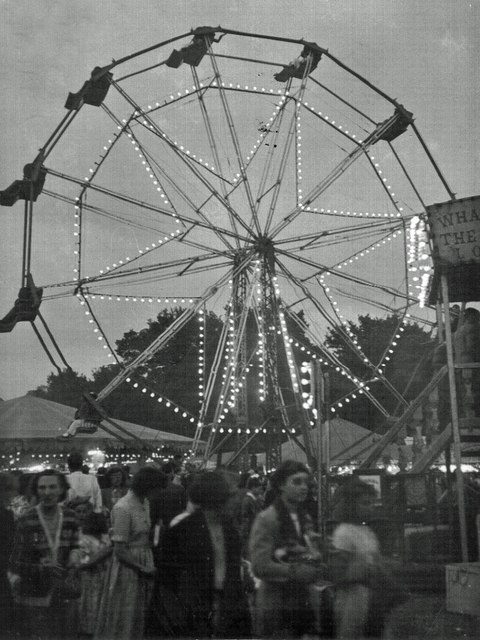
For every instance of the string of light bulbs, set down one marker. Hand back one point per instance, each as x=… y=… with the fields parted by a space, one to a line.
x=419 y=261
x=160 y=398
x=141 y=299
x=99 y=334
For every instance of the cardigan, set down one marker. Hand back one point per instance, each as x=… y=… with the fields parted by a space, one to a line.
x=31 y=546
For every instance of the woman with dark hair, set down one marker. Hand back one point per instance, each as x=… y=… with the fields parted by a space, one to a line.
x=283 y=556
x=128 y=583
x=45 y=538
x=365 y=588
x=199 y=589
x=117 y=479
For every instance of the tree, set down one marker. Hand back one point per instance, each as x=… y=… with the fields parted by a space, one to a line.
x=172 y=373
x=405 y=370
x=65 y=387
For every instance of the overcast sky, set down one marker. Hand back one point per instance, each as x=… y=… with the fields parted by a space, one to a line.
x=422 y=52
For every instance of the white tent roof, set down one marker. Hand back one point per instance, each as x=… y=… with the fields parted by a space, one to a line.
x=348 y=441
x=36 y=421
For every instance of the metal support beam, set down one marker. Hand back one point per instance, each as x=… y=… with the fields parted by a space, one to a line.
x=392 y=433
x=457 y=453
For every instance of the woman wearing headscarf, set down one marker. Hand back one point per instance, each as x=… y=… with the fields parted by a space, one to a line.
x=284 y=558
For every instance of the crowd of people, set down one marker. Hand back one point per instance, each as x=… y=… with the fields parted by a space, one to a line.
x=209 y=554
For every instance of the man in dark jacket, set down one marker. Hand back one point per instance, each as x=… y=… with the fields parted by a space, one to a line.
x=199 y=590
x=166 y=503
x=252 y=504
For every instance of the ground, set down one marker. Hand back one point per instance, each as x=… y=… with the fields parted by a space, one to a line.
x=424 y=617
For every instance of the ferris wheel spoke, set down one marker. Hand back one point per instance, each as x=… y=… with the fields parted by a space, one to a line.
x=185 y=159
x=336 y=362
x=145 y=206
x=141 y=275
x=306 y=241
x=234 y=138
x=318 y=190
x=179 y=267
x=336 y=173
x=368 y=238
x=407 y=307
x=274 y=132
x=101 y=212
x=163 y=339
x=152 y=276
x=342 y=274
x=343 y=333
x=291 y=136
x=183 y=238
x=376 y=370
x=190 y=157
x=213 y=145
x=186 y=199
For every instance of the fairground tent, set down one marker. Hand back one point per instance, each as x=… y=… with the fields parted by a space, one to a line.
x=31 y=425
x=348 y=442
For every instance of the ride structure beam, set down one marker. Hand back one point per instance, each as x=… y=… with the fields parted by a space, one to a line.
x=234 y=377
x=395 y=429
x=208 y=391
x=213 y=146
x=234 y=138
x=240 y=322
x=185 y=159
x=273 y=406
x=329 y=355
x=379 y=133
x=162 y=340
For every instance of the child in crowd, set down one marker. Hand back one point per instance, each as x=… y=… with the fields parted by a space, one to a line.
x=95 y=549
x=82 y=507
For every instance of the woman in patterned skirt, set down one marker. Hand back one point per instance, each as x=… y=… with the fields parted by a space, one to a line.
x=129 y=583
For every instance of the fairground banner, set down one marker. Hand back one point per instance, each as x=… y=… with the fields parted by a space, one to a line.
x=455 y=231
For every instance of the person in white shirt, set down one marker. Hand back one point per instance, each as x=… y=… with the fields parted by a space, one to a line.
x=366 y=590
x=81 y=484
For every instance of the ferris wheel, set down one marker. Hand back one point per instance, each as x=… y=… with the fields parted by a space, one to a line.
x=251 y=174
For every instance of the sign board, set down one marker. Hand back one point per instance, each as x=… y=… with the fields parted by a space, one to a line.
x=455 y=231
